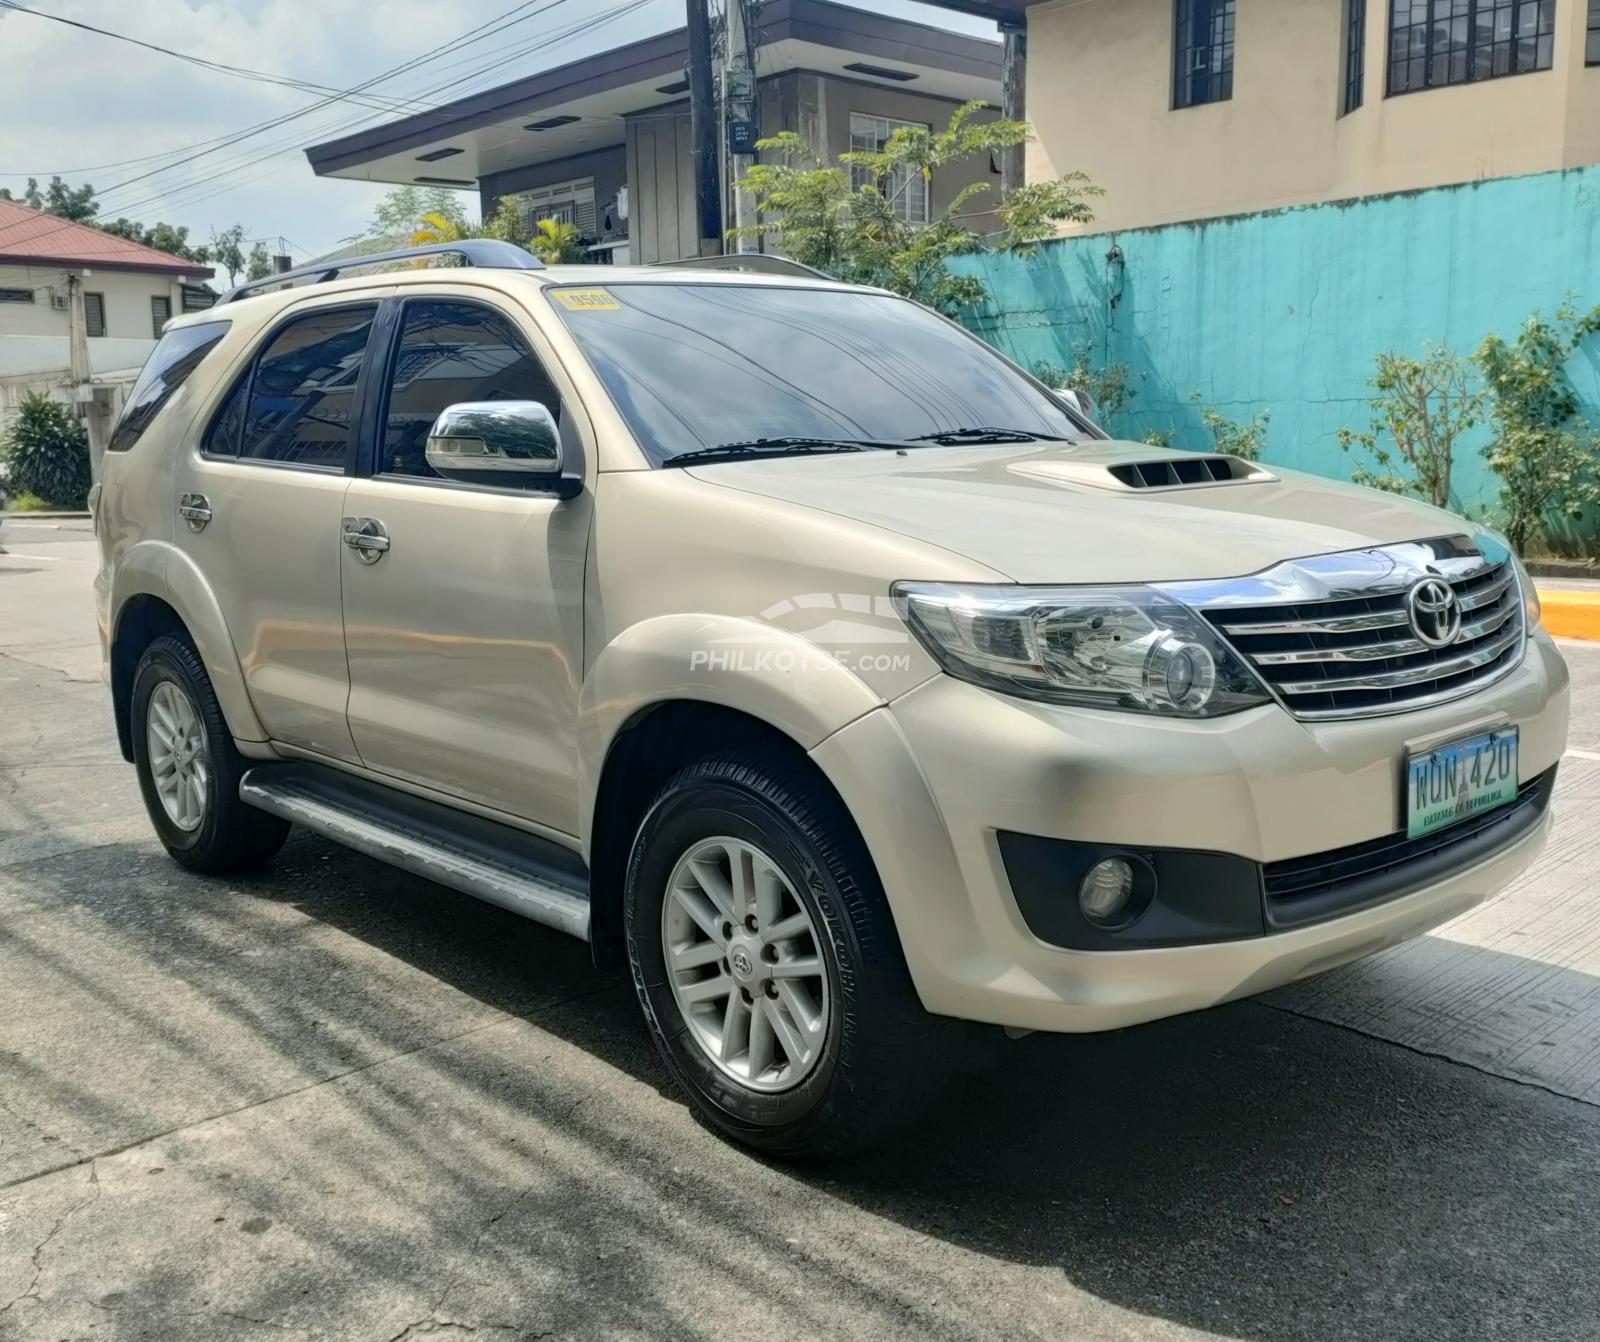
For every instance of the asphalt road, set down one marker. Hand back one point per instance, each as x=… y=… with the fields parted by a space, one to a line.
x=333 y=1101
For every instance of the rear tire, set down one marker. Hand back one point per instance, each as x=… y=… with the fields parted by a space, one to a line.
x=188 y=768
x=833 y=972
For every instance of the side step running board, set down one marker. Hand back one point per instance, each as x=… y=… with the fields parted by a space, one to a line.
x=498 y=864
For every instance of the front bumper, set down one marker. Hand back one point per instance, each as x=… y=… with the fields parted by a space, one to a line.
x=935 y=777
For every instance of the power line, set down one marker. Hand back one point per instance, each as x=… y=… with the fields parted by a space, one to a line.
x=237 y=71
x=210 y=187
x=472 y=36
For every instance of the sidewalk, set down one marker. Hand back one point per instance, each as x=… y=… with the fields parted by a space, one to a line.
x=1571 y=609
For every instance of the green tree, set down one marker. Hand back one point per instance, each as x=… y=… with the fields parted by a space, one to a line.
x=824 y=219
x=48 y=453
x=401 y=212
x=258 y=265
x=169 y=238
x=556 y=241
x=1111 y=385
x=69 y=202
x=227 y=250
x=1247 y=440
x=1420 y=408
x=1544 y=453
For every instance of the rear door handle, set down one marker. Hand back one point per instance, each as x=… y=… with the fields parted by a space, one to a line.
x=367 y=537
x=195 y=509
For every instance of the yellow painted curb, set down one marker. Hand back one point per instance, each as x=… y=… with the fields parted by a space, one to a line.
x=1569 y=614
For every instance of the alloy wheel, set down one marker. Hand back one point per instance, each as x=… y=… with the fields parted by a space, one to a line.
x=745 y=964
x=179 y=766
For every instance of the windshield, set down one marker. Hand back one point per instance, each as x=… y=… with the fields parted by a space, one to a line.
x=695 y=366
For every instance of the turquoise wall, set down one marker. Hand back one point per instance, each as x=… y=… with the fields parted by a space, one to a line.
x=1285 y=310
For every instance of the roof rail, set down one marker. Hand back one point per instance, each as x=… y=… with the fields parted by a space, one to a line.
x=486 y=252
x=757 y=263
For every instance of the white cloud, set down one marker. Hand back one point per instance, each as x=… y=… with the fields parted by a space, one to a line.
x=88 y=107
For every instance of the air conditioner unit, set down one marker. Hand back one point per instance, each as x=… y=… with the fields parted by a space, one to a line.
x=58 y=302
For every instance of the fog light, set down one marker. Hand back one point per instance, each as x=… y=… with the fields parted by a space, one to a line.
x=1107 y=891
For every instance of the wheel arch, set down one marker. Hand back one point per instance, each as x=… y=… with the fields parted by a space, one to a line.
x=175 y=598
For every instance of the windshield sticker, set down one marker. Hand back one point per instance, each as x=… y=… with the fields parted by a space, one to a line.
x=586 y=300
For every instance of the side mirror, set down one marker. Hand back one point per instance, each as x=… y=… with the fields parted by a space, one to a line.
x=1078 y=400
x=495 y=442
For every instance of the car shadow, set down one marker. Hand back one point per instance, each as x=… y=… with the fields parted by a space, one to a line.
x=1243 y=1170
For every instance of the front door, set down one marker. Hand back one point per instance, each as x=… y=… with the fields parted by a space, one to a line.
x=260 y=503
x=464 y=633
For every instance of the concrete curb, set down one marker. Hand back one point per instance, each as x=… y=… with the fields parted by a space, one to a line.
x=45 y=517
x=1570 y=614
x=1563 y=568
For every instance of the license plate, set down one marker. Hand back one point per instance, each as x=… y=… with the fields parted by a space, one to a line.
x=1459 y=780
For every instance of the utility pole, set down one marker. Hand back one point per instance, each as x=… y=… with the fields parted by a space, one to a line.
x=739 y=98
x=703 y=130
x=1014 y=102
x=95 y=405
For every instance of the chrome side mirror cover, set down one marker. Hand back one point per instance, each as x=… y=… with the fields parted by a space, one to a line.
x=1079 y=401
x=491 y=442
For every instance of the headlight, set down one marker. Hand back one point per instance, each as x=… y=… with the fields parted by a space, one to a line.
x=1100 y=647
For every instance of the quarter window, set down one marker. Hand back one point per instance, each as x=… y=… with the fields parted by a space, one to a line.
x=451 y=352
x=906 y=188
x=1433 y=43
x=303 y=393
x=1203 y=52
x=168 y=368
x=94 y=314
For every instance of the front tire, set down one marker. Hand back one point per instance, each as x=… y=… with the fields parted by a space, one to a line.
x=188 y=768
x=767 y=963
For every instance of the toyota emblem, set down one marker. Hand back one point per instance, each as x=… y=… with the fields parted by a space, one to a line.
x=1434 y=612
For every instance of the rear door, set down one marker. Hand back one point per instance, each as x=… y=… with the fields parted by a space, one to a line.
x=260 y=502
x=464 y=635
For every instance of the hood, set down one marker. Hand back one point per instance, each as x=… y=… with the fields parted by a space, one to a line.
x=1055 y=513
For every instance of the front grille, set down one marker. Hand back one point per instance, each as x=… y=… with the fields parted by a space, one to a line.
x=1305 y=889
x=1358 y=655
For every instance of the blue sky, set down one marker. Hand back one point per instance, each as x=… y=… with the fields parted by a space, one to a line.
x=102 y=111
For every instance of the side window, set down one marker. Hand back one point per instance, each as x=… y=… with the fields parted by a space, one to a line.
x=304 y=388
x=451 y=352
x=177 y=355
x=222 y=438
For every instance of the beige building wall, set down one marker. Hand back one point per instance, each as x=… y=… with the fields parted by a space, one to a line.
x=1100 y=99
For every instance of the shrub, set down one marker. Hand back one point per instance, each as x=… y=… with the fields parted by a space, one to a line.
x=1111 y=385
x=1420 y=407
x=48 y=453
x=1247 y=440
x=1544 y=454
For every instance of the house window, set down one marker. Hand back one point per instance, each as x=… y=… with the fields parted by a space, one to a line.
x=1355 y=46
x=1202 y=52
x=94 y=314
x=1591 y=50
x=16 y=295
x=160 y=313
x=569 y=202
x=1433 y=43
x=905 y=188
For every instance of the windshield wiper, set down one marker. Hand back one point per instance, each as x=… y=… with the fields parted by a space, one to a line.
x=983 y=435
x=792 y=446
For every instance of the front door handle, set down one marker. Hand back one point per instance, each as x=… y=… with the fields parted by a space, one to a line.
x=195 y=509
x=367 y=537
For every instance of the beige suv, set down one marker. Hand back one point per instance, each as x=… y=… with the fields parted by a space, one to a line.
x=804 y=655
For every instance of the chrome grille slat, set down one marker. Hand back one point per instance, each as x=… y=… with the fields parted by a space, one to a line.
x=1417 y=675
x=1371 y=652
x=1331 y=635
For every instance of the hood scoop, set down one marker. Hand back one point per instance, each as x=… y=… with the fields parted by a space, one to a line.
x=1178 y=472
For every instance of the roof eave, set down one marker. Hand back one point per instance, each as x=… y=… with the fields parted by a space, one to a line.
x=178 y=270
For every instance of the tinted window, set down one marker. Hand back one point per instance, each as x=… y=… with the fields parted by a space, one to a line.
x=697 y=365
x=222 y=438
x=168 y=368
x=304 y=389
x=453 y=352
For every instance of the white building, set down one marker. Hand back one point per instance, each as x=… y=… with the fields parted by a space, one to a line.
x=129 y=292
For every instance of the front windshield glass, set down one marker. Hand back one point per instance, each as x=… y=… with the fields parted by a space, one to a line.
x=692 y=366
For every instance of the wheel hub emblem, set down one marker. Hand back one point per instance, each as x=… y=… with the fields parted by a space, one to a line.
x=741 y=963
x=1434 y=612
